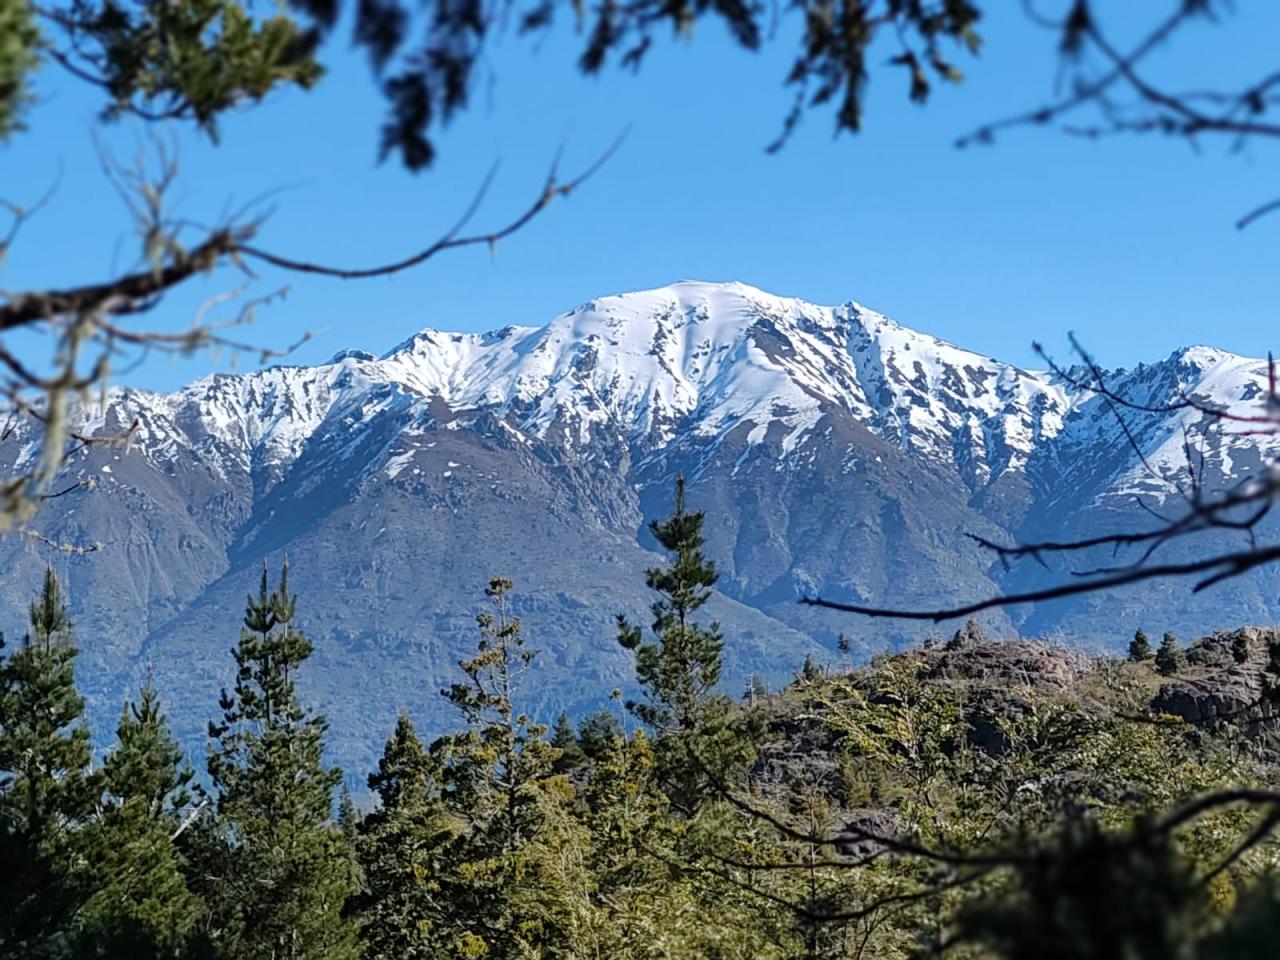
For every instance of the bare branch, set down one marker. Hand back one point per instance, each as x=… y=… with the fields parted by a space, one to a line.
x=68 y=548
x=1217 y=568
x=552 y=189
x=90 y=317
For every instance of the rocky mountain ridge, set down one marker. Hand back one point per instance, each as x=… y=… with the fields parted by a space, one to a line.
x=833 y=450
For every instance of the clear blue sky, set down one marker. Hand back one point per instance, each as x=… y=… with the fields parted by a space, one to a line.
x=1128 y=242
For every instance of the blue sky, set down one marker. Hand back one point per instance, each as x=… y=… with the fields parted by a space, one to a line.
x=1128 y=242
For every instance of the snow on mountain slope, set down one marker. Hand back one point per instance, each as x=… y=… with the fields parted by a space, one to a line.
x=1175 y=425
x=705 y=357
x=696 y=360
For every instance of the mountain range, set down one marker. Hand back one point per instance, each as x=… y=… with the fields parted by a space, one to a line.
x=833 y=451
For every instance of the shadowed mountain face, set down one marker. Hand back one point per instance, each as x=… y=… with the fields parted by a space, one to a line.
x=833 y=451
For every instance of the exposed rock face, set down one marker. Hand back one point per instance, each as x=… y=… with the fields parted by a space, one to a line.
x=1011 y=664
x=1218 y=687
x=833 y=450
x=1000 y=678
x=1227 y=694
x=857 y=838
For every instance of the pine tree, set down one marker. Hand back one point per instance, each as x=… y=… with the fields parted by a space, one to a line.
x=1139 y=647
x=845 y=647
x=1170 y=657
x=280 y=872
x=140 y=906
x=399 y=846
x=349 y=816
x=810 y=671
x=597 y=733
x=678 y=671
x=683 y=666
x=498 y=784
x=46 y=791
x=968 y=635
x=564 y=739
x=635 y=892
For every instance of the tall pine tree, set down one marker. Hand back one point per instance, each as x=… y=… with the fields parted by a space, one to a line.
x=683 y=665
x=139 y=905
x=399 y=847
x=1139 y=647
x=698 y=732
x=46 y=790
x=565 y=739
x=1170 y=657
x=499 y=787
x=278 y=869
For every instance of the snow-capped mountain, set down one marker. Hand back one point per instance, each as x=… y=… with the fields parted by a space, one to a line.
x=832 y=449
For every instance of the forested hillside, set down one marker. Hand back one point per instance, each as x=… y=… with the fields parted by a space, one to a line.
x=969 y=799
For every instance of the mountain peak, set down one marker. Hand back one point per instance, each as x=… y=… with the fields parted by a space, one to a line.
x=692 y=362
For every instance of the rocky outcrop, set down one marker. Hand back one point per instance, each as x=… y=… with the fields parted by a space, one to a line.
x=1219 y=687
x=1010 y=664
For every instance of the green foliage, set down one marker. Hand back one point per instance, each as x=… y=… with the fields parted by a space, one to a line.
x=680 y=668
x=46 y=790
x=1170 y=658
x=140 y=906
x=1083 y=894
x=19 y=45
x=699 y=731
x=986 y=801
x=968 y=635
x=810 y=671
x=565 y=739
x=400 y=848
x=500 y=887
x=598 y=733
x=1139 y=647
x=270 y=864
x=196 y=58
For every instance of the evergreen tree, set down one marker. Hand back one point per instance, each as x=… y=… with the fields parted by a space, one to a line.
x=46 y=791
x=398 y=906
x=349 y=816
x=564 y=739
x=597 y=733
x=1139 y=647
x=499 y=788
x=140 y=906
x=845 y=647
x=637 y=899
x=683 y=666
x=1170 y=658
x=810 y=671
x=968 y=635
x=679 y=669
x=278 y=869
